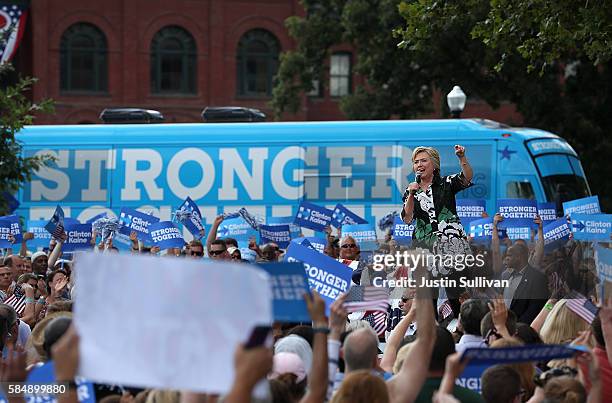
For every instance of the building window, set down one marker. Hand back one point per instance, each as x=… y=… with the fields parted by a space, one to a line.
x=173 y=62
x=340 y=75
x=257 y=63
x=83 y=59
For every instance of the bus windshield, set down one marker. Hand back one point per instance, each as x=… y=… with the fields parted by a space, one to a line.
x=562 y=177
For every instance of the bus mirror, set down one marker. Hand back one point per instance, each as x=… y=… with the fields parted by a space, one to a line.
x=228 y=114
x=130 y=115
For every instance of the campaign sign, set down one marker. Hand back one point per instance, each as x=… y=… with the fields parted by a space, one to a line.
x=5 y=234
x=402 y=232
x=95 y=218
x=248 y=254
x=193 y=223
x=12 y=222
x=343 y=216
x=309 y=215
x=45 y=374
x=517 y=212
x=41 y=236
x=79 y=237
x=166 y=235
x=556 y=233
x=294 y=229
x=470 y=209
x=603 y=262
x=534 y=352
x=518 y=233
x=591 y=227
x=363 y=234
x=279 y=234
x=470 y=377
x=325 y=275
x=547 y=212
x=133 y=220
x=236 y=228
x=312 y=242
x=55 y=226
x=482 y=230
x=289 y=284
x=586 y=205
x=124 y=243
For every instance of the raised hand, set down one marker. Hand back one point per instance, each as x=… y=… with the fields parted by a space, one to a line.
x=459 y=151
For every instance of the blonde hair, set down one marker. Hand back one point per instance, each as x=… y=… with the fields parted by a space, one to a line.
x=526 y=370
x=432 y=152
x=561 y=325
x=565 y=389
x=361 y=387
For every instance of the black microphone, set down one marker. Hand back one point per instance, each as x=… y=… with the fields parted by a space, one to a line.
x=418 y=177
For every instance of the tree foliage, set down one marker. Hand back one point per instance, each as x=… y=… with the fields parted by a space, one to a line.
x=551 y=59
x=16 y=111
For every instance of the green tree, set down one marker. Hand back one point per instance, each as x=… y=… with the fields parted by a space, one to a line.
x=16 y=111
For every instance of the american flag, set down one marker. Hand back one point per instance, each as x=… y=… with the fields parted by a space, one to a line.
x=445 y=310
x=581 y=306
x=362 y=298
x=378 y=321
x=17 y=301
x=13 y=15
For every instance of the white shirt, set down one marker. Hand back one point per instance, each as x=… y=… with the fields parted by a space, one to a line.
x=469 y=341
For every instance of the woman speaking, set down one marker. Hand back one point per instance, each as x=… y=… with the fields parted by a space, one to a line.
x=431 y=201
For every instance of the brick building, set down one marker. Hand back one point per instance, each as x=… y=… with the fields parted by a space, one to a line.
x=175 y=56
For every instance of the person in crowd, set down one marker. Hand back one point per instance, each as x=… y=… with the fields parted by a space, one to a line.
x=15 y=265
x=599 y=352
x=498 y=323
x=234 y=253
x=471 y=314
x=565 y=389
x=362 y=387
x=527 y=334
x=6 y=280
x=501 y=384
x=349 y=255
x=27 y=264
x=562 y=325
x=19 y=330
x=218 y=250
x=195 y=249
x=526 y=370
x=444 y=347
x=270 y=252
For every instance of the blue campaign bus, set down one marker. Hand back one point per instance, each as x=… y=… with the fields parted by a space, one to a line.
x=269 y=167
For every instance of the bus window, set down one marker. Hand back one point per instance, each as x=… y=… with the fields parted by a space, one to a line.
x=555 y=164
x=519 y=190
x=562 y=178
x=576 y=166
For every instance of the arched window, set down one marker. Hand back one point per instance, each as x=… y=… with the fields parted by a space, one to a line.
x=83 y=59
x=173 y=62
x=257 y=63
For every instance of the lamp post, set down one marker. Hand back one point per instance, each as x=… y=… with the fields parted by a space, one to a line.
x=456 y=101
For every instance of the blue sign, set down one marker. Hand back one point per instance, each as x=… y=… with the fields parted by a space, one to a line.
x=289 y=284
x=45 y=373
x=470 y=377
x=543 y=146
x=363 y=234
x=517 y=212
x=586 y=205
x=279 y=234
x=592 y=227
x=470 y=209
x=193 y=219
x=482 y=230
x=79 y=237
x=547 y=212
x=555 y=234
x=55 y=226
x=11 y=202
x=533 y=352
x=402 y=232
x=133 y=220
x=325 y=275
x=123 y=242
x=603 y=262
x=248 y=254
x=41 y=236
x=236 y=228
x=312 y=242
x=309 y=215
x=166 y=235
x=515 y=233
x=343 y=216
x=9 y=226
x=294 y=229
x=95 y=218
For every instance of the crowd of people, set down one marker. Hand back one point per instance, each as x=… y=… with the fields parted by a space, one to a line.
x=341 y=357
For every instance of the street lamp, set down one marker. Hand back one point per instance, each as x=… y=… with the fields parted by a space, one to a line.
x=456 y=101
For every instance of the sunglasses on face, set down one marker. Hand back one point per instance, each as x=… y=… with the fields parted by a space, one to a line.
x=492 y=332
x=349 y=245
x=216 y=252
